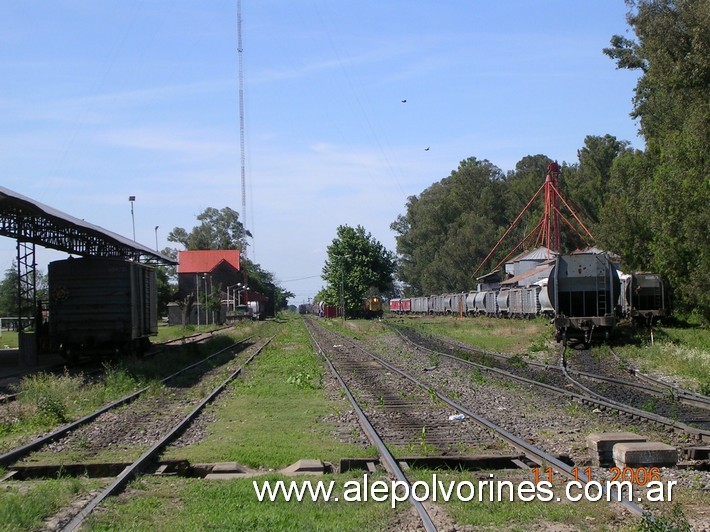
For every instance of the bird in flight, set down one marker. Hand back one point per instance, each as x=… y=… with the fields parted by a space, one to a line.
x=404 y=101
x=426 y=149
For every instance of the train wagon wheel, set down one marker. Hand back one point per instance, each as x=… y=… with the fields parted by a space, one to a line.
x=70 y=353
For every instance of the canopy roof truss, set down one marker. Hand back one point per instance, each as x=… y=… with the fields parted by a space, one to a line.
x=30 y=221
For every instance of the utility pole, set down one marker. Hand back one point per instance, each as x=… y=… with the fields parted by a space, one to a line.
x=342 y=283
x=240 y=51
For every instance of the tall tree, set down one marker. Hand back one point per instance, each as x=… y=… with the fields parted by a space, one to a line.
x=219 y=229
x=357 y=265
x=8 y=290
x=672 y=51
x=449 y=228
x=590 y=186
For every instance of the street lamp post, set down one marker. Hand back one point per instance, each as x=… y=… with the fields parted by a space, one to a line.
x=232 y=301
x=207 y=315
x=133 y=219
x=197 y=288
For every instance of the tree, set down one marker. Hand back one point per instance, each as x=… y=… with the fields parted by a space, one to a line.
x=590 y=186
x=672 y=105
x=8 y=290
x=357 y=265
x=219 y=229
x=450 y=228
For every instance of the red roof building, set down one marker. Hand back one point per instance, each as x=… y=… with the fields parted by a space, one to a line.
x=208 y=270
x=205 y=261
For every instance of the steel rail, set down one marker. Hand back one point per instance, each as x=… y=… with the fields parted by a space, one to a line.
x=596 y=400
x=704 y=435
x=651 y=385
x=388 y=460
x=137 y=467
x=19 y=452
x=677 y=394
x=676 y=390
x=535 y=454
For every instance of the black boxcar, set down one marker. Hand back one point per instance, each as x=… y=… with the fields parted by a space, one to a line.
x=101 y=305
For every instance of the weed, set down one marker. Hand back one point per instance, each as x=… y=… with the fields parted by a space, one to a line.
x=303 y=380
x=477 y=376
x=435 y=358
x=649 y=405
x=574 y=409
x=49 y=395
x=675 y=521
x=517 y=362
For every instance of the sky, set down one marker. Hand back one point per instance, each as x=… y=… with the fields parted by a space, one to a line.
x=102 y=100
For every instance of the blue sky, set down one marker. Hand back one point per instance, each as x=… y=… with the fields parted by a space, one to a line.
x=101 y=100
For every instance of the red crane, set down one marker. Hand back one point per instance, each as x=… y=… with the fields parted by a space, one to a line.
x=547 y=231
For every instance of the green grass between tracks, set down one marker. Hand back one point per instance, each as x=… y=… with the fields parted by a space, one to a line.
x=507 y=336
x=275 y=415
x=277 y=412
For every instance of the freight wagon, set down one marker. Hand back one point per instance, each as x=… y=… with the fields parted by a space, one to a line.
x=99 y=305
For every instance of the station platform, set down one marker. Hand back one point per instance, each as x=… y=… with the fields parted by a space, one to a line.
x=12 y=364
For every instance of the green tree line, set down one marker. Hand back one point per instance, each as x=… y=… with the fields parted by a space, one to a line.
x=650 y=206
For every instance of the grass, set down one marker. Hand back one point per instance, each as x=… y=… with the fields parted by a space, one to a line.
x=50 y=400
x=172 y=332
x=280 y=394
x=278 y=412
x=8 y=340
x=509 y=336
x=25 y=506
x=189 y=504
x=683 y=351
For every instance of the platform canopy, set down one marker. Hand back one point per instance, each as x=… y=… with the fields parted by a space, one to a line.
x=32 y=222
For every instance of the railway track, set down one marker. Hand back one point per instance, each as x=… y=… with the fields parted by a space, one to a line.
x=558 y=379
x=23 y=451
x=134 y=469
x=351 y=372
x=159 y=417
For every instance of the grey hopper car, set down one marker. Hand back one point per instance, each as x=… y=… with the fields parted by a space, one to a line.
x=420 y=305
x=97 y=305
x=644 y=298
x=502 y=300
x=584 y=290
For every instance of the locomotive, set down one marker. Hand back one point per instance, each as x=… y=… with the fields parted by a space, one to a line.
x=372 y=307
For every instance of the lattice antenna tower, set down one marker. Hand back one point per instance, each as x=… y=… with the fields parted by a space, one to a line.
x=240 y=51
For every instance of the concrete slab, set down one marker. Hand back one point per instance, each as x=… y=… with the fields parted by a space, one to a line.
x=649 y=453
x=230 y=470
x=229 y=467
x=605 y=441
x=305 y=467
x=602 y=445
